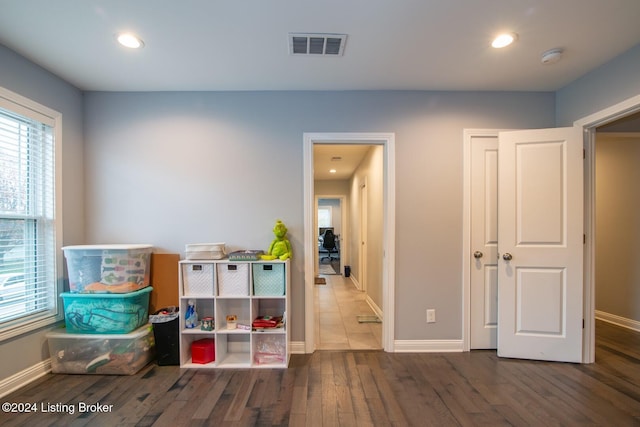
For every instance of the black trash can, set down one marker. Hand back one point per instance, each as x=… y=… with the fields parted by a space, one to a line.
x=347 y=270
x=166 y=332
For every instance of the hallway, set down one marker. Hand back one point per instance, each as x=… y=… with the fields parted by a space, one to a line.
x=338 y=304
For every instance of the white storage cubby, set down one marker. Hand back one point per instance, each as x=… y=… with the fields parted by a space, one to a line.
x=237 y=345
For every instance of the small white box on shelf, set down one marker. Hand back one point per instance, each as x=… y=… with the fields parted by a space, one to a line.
x=197 y=251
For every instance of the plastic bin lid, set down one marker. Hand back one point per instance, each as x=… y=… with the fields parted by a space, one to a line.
x=110 y=247
x=107 y=295
x=140 y=332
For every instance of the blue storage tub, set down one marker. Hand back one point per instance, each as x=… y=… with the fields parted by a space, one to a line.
x=106 y=313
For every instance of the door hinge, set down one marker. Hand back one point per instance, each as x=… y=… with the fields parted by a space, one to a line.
x=584 y=239
x=582 y=323
x=584 y=153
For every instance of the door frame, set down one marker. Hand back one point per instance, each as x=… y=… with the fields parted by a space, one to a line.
x=468 y=135
x=387 y=140
x=344 y=221
x=588 y=124
x=362 y=235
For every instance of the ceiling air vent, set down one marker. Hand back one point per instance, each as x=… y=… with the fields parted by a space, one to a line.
x=317 y=44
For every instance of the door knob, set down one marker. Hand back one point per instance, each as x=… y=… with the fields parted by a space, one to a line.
x=477 y=254
x=507 y=257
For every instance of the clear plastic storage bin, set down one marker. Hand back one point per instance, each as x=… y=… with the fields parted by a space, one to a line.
x=122 y=354
x=108 y=268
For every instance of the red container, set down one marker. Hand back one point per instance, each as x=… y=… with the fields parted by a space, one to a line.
x=203 y=351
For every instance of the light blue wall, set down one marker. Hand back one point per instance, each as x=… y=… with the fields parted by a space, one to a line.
x=24 y=78
x=177 y=168
x=609 y=84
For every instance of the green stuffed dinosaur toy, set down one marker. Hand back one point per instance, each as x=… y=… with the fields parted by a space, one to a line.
x=280 y=248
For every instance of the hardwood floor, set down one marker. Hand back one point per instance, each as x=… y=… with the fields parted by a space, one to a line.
x=330 y=388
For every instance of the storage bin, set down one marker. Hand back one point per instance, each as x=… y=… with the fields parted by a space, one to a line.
x=108 y=268
x=166 y=333
x=205 y=251
x=122 y=354
x=197 y=279
x=106 y=313
x=233 y=279
x=268 y=279
x=270 y=349
x=203 y=351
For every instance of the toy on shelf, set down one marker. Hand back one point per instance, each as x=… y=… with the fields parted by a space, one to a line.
x=280 y=247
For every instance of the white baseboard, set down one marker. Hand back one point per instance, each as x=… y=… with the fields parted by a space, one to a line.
x=355 y=282
x=297 y=347
x=618 y=320
x=428 y=346
x=377 y=310
x=406 y=346
x=22 y=378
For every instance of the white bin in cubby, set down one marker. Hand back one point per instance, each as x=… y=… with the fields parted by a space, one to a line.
x=233 y=279
x=197 y=279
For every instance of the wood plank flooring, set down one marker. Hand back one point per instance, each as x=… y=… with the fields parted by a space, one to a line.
x=356 y=388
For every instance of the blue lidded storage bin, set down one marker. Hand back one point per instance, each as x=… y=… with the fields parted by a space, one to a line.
x=106 y=313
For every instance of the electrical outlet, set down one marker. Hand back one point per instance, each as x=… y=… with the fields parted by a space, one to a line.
x=431 y=315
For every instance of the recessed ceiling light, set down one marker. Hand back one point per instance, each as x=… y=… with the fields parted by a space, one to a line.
x=130 y=40
x=504 y=40
x=332 y=171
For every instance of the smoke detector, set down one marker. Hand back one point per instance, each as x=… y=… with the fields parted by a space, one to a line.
x=317 y=44
x=552 y=56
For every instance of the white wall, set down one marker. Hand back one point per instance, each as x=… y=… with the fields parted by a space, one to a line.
x=26 y=79
x=176 y=168
x=369 y=172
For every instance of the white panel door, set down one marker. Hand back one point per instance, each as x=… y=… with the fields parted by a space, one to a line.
x=484 y=242
x=540 y=228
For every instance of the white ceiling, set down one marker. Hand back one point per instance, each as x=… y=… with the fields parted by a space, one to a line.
x=201 y=45
x=350 y=156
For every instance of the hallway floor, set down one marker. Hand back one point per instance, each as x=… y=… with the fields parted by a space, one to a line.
x=338 y=305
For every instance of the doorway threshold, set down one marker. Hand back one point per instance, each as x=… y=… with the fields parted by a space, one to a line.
x=368 y=319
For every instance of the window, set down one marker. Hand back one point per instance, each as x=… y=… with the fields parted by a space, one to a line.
x=29 y=219
x=324 y=216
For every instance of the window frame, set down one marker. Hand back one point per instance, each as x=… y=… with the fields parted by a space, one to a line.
x=26 y=107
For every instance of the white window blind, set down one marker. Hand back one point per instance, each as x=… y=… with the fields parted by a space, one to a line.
x=28 y=249
x=324 y=216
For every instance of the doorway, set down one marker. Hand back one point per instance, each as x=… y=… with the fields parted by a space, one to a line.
x=386 y=142
x=348 y=317
x=589 y=124
x=332 y=234
x=617 y=150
